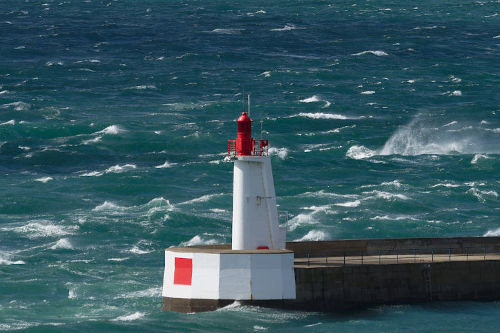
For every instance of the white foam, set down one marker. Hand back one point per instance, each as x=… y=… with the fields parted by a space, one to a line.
x=454 y=122
x=44 y=179
x=142 y=87
x=393 y=218
x=266 y=74
x=360 y=152
x=161 y=201
x=92 y=174
x=260 y=11
x=314 y=235
x=368 y=92
x=63 y=243
x=386 y=195
x=52 y=63
x=113 y=169
x=5 y=260
x=112 y=130
x=300 y=220
x=282 y=153
x=492 y=233
x=94 y=140
x=217 y=210
x=337 y=130
x=203 y=198
x=165 y=165
x=481 y=194
x=72 y=294
x=456 y=93
x=151 y=292
x=18 y=106
x=323 y=194
x=8 y=262
x=130 y=317
x=197 y=240
x=394 y=183
x=418 y=138
x=377 y=53
x=108 y=206
x=320 y=115
x=287 y=27
x=312 y=99
x=477 y=157
x=235 y=305
x=10 y=122
x=135 y=249
x=355 y=203
x=120 y=168
x=226 y=31
x=445 y=185
x=118 y=259
x=42 y=228
x=425 y=28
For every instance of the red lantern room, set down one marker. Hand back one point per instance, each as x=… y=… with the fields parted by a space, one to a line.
x=245 y=145
x=244 y=141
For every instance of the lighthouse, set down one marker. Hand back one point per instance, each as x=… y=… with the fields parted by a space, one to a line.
x=255 y=216
x=256 y=266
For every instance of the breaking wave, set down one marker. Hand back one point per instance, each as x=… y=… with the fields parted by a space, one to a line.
x=378 y=53
x=111 y=130
x=197 y=240
x=5 y=260
x=63 y=243
x=287 y=27
x=42 y=228
x=360 y=152
x=130 y=317
x=44 y=179
x=492 y=233
x=314 y=235
x=282 y=153
x=108 y=206
x=165 y=165
x=321 y=115
x=421 y=137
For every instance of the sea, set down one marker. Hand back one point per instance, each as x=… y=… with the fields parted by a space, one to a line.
x=383 y=119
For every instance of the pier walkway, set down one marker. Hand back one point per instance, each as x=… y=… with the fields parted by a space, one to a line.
x=387 y=259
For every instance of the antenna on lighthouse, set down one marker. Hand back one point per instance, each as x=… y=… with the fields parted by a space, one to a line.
x=249 y=105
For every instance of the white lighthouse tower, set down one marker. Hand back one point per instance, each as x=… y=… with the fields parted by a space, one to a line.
x=255 y=216
x=256 y=267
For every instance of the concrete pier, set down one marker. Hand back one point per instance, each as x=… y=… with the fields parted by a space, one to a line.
x=342 y=274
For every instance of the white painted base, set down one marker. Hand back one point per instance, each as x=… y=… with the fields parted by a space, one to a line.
x=232 y=275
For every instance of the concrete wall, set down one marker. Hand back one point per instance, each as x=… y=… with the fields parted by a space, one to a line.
x=333 y=288
x=330 y=288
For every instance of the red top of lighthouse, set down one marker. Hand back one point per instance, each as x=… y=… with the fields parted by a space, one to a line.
x=245 y=145
x=244 y=141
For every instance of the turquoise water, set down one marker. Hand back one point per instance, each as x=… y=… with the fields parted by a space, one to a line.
x=383 y=121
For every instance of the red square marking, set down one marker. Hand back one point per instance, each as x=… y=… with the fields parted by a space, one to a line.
x=183 y=271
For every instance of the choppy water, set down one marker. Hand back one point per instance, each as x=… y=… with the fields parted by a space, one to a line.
x=383 y=118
